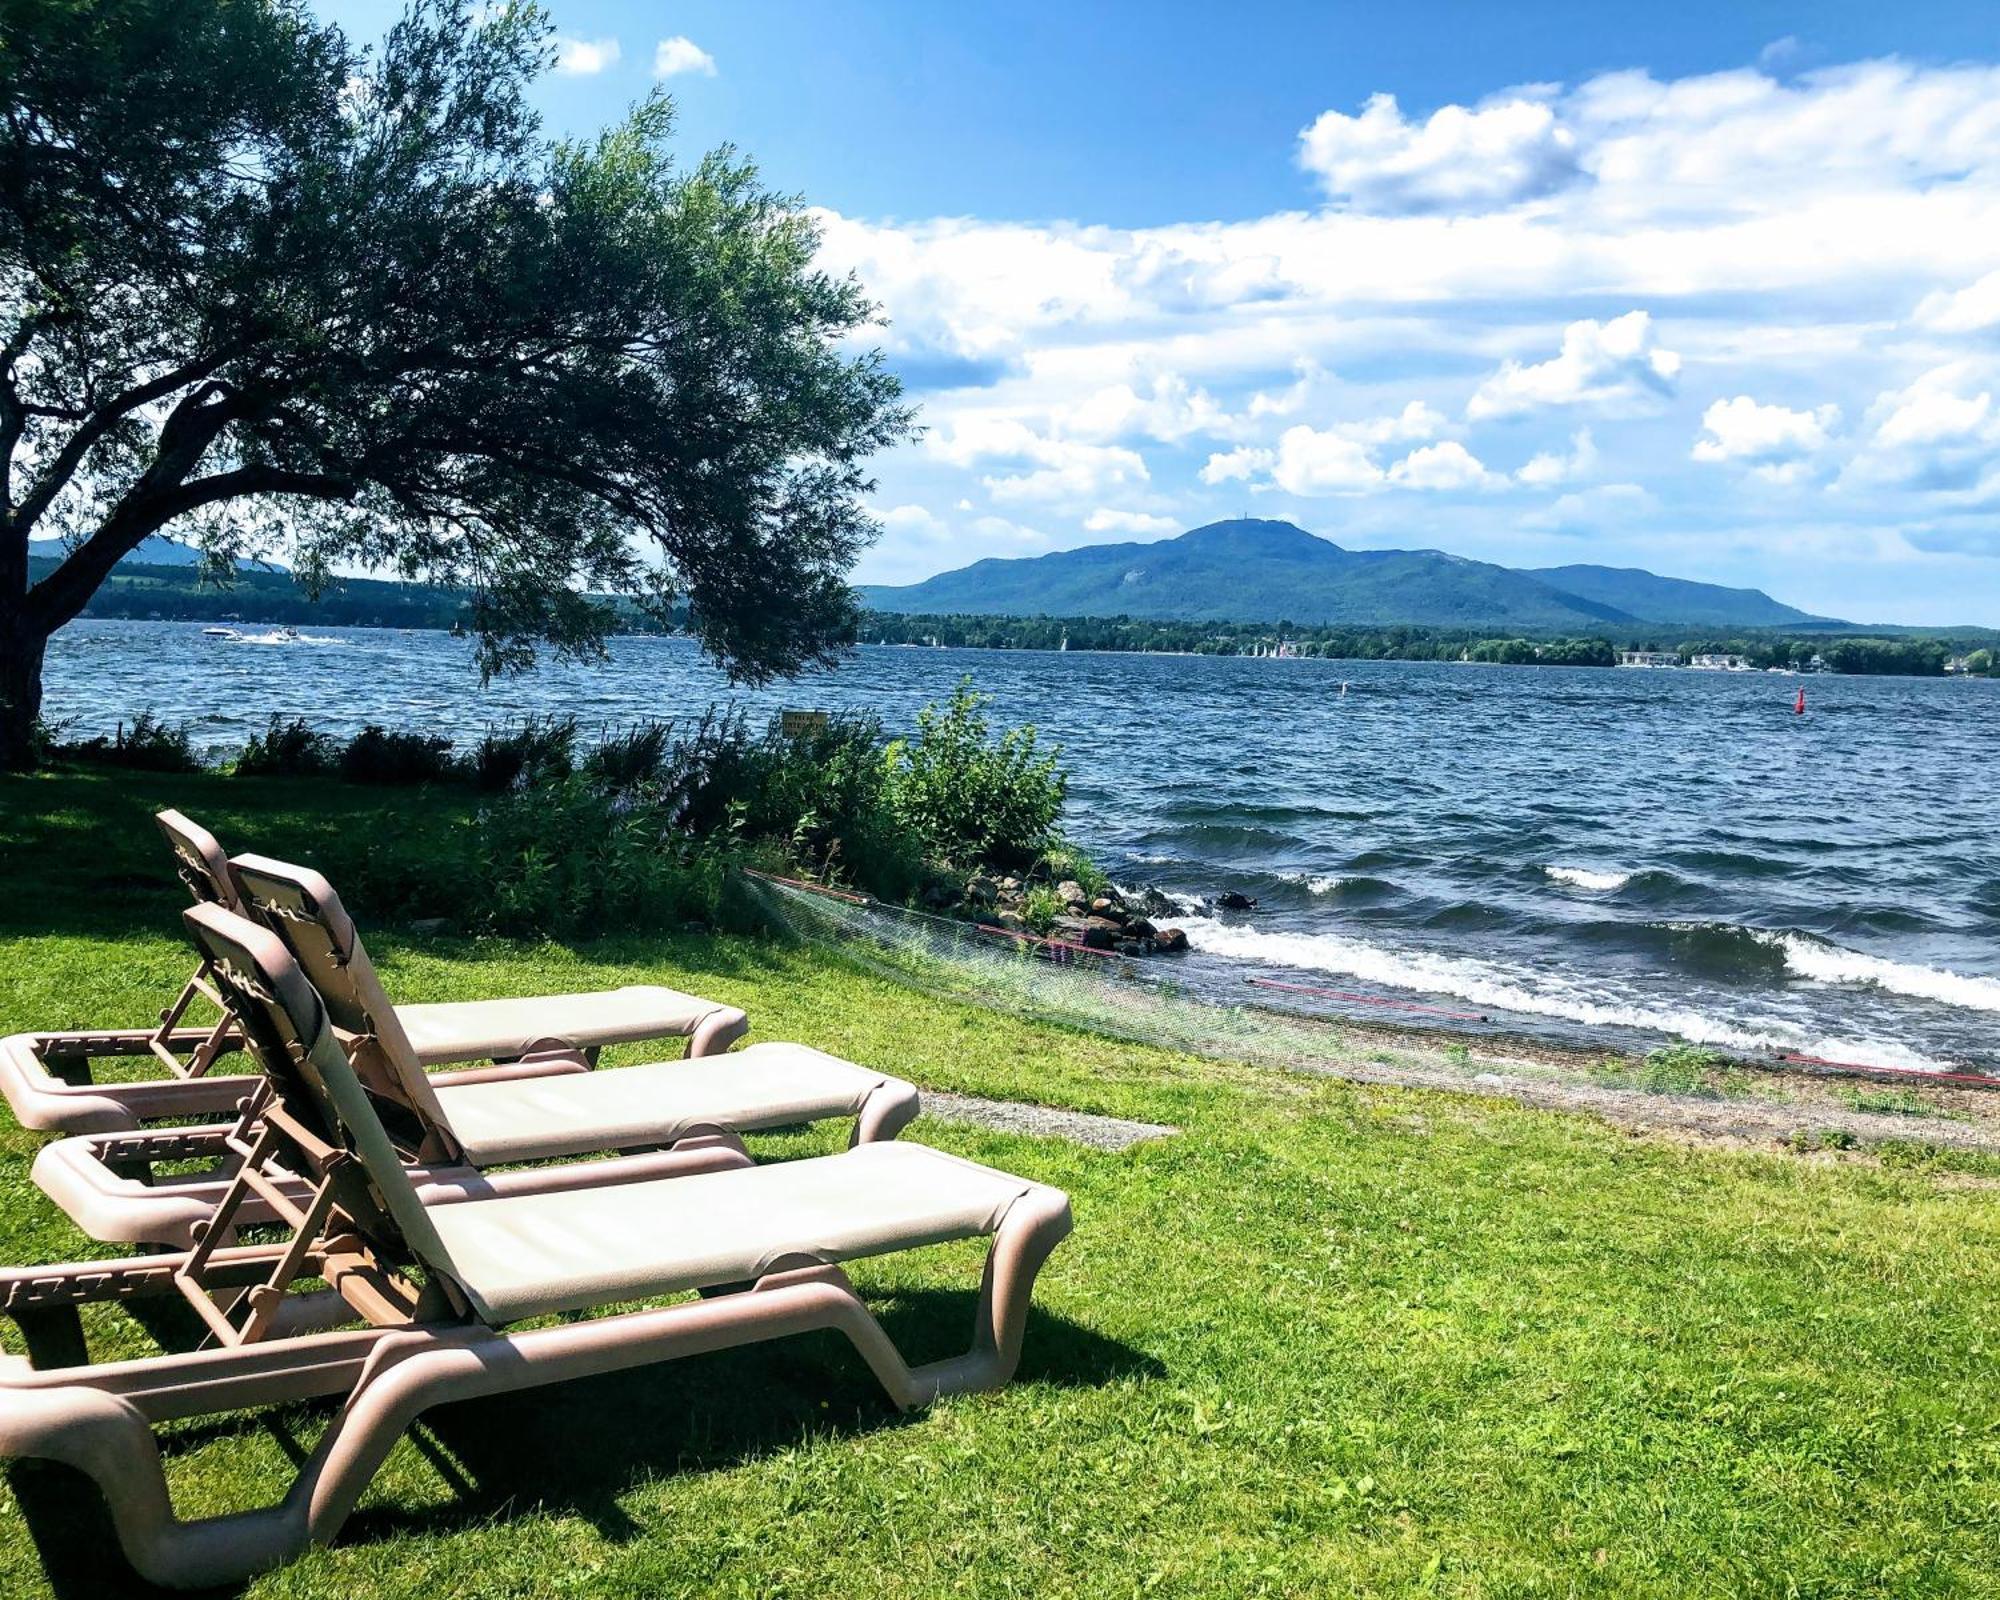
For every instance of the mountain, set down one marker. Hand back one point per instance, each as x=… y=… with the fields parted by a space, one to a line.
x=156 y=551
x=1254 y=570
x=1652 y=598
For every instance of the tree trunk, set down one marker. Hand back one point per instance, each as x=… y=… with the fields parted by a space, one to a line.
x=22 y=646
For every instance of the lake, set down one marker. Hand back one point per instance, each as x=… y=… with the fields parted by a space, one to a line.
x=1628 y=855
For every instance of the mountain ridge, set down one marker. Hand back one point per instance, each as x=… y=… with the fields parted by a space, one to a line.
x=1265 y=570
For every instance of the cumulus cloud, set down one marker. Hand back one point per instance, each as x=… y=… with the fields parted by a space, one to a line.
x=680 y=54
x=1171 y=410
x=1244 y=462
x=1542 y=470
x=1314 y=461
x=1601 y=364
x=1939 y=434
x=1106 y=520
x=1446 y=465
x=1967 y=310
x=1459 y=158
x=584 y=58
x=1776 y=443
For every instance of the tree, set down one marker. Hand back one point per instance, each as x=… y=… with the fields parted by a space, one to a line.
x=258 y=285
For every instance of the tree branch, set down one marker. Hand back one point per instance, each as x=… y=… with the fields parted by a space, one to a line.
x=66 y=591
x=59 y=472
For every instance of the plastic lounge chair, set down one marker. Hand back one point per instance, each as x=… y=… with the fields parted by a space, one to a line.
x=47 y=1078
x=437 y=1286
x=451 y=1122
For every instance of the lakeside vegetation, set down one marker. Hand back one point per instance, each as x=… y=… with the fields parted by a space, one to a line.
x=1327 y=1339
x=540 y=831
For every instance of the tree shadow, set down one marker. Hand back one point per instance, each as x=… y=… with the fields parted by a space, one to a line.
x=580 y=1447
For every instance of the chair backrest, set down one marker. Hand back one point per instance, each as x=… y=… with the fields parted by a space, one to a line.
x=300 y=907
x=200 y=861
x=286 y=1029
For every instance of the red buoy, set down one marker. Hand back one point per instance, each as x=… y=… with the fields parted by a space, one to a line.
x=1799 y=705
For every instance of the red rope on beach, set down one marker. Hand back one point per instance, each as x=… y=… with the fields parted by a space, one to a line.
x=1978 y=1080
x=1368 y=1000
x=1038 y=940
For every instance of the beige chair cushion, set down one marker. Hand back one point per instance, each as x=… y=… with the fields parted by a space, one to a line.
x=474 y=1030
x=620 y=1108
x=531 y=1255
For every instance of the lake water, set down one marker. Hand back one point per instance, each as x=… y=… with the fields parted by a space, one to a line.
x=1622 y=854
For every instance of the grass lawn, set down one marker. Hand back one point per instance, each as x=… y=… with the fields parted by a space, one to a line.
x=1329 y=1340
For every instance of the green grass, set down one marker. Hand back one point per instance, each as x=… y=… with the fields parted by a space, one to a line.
x=1329 y=1340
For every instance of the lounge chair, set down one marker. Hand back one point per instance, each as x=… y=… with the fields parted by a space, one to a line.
x=437 y=1286
x=48 y=1078
x=456 y=1126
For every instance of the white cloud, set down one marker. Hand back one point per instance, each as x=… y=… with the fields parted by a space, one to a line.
x=1967 y=310
x=1547 y=468
x=1590 y=510
x=1601 y=364
x=1493 y=154
x=584 y=58
x=1776 y=443
x=1311 y=461
x=680 y=54
x=909 y=519
x=1171 y=411
x=1245 y=462
x=1105 y=520
x=1936 y=435
x=1446 y=466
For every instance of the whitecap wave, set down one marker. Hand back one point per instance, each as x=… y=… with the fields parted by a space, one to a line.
x=1315 y=882
x=1496 y=988
x=1584 y=878
x=1820 y=962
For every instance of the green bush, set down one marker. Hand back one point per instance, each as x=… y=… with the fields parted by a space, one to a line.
x=568 y=859
x=378 y=755
x=145 y=745
x=288 y=749
x=967 y=799
x=635 y=756
x=539 y=750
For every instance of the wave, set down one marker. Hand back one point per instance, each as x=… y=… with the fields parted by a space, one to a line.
x=1469 y=979
x=1820 y=962
x=1585 y=878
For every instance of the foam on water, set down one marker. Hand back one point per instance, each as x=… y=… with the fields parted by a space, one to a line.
x=1820 y=962
x=1538 y=995
x=1584 y=878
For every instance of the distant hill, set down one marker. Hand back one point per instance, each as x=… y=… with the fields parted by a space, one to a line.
x=1254 y=570
x=156 y=551
x=1652 y=598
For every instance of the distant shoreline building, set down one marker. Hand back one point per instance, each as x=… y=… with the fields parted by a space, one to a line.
x=1648 y=658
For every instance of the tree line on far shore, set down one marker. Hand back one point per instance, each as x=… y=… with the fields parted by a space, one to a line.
x=1914 y=656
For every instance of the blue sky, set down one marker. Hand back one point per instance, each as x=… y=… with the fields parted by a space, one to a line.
x=1709 y=289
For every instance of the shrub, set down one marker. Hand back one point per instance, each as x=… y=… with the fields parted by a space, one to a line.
x=540 y=749
x=145 y=745
x=568 y=858
x=288 y=749
x=1679 y=1069
x=378 y=755
x=636 y=756
x=967 y=799
x=1041 y=908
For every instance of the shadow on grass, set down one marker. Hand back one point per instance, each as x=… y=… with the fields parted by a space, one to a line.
x=578 y=1448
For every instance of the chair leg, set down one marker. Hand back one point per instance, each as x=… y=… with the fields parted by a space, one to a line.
x=106 y=1435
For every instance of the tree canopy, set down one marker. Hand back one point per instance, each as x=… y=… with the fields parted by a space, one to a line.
x=267 y=286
